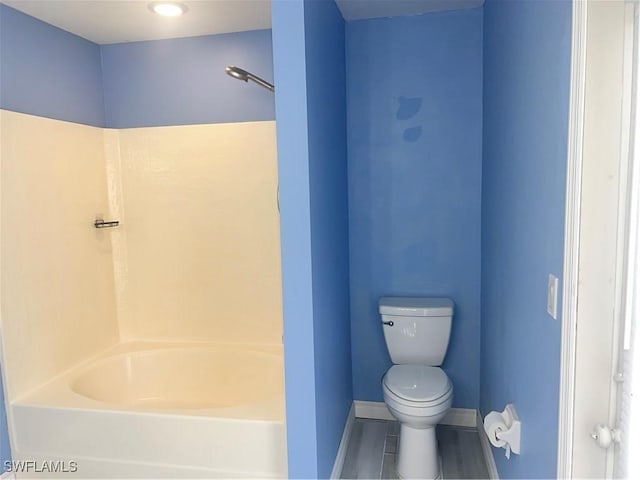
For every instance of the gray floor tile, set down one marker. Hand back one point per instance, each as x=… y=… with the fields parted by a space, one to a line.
x=365 y=450
x=391 y=444
x=372 y=450
x=393 y=428
x=389 y=467
x=350 y=467
x=462 y=455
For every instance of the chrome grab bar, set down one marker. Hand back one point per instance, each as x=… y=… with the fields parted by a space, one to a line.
x=100 y=223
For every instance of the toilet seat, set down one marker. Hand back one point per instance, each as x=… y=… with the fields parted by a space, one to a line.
x=419 y=386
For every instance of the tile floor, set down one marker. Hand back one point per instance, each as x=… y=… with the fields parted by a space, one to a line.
x=371 y=452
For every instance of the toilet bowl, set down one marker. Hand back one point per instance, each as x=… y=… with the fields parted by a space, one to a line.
x=416 y=391
x=418 y=408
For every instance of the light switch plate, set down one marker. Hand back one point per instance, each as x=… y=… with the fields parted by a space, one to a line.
x=552 y=296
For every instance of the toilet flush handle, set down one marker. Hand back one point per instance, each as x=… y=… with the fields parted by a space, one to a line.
x=390 y=323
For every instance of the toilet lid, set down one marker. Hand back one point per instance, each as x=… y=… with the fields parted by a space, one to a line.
x=417 y=383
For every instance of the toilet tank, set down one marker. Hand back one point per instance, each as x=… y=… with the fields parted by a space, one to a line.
x=416 y=329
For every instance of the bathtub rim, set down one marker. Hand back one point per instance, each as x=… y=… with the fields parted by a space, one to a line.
x=58 y=393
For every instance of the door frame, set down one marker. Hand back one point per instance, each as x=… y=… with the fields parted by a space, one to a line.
x=572 y=238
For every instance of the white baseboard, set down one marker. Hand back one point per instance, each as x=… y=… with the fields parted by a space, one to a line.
x=344 y=443
x=459 y=417
x=375 y=410
x=486 y=449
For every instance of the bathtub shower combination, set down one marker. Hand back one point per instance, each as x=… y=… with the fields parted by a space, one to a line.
x=152 y=349
x=161 y=410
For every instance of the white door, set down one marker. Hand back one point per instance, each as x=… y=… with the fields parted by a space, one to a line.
x=607 y=289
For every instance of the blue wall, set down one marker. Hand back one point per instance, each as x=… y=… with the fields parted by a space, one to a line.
x=182 y=81
x=327 y=124
x=415 y=157
x=48 y=72
x=527 y=49
x=309 y=64
x=295 y=232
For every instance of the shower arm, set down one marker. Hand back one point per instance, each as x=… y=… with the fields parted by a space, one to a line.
x=241 y=74
x=261 y=82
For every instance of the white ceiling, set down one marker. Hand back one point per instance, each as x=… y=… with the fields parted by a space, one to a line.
x=361 y=9
x=116 y=21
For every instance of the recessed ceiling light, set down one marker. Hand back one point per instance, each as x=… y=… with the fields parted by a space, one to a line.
x=168 y=9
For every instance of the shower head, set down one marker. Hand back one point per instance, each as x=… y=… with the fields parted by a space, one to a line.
x=240 y=74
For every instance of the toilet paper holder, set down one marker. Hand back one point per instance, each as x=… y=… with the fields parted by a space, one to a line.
x=505 y=427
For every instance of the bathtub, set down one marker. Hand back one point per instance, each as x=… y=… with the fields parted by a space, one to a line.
x=159 y=410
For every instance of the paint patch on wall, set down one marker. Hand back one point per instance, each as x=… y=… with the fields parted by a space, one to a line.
x=412 y=134
x=408 y=107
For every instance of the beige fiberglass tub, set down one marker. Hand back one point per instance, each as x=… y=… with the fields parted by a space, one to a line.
x=153 y=410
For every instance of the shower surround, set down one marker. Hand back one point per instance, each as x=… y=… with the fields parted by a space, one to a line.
x=187 y=287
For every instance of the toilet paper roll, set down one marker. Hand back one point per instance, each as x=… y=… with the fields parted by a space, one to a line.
x=494 y=423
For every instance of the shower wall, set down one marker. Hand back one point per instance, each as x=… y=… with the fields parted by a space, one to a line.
x=196 y=257
x=198 y=254
x=58 y=303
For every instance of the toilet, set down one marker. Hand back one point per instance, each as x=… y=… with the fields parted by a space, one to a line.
x=416 y=390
